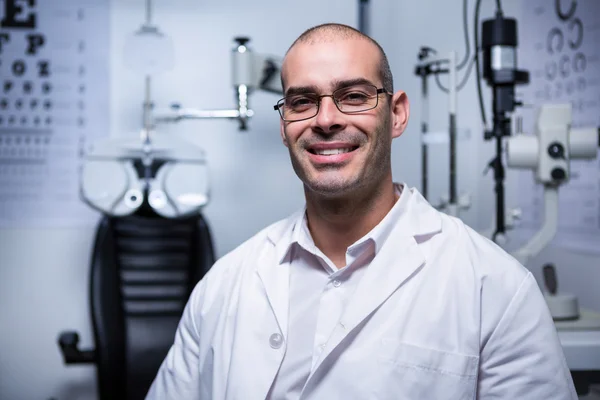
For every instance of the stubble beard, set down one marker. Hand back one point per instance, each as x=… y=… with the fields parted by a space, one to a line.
x=335 y=185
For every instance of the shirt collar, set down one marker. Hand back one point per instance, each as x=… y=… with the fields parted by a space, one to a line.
x=296 y=231
x=382 y=230
x=288 y=235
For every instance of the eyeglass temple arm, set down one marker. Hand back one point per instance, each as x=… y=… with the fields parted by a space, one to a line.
x=251 y=71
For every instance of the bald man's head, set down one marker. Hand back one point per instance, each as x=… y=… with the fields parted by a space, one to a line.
x=332 y=32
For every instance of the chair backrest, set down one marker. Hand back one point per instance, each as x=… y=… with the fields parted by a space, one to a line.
x=144 y=268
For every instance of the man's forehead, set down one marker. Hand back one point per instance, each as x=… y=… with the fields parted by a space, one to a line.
x=330 y=61
x=350 y=43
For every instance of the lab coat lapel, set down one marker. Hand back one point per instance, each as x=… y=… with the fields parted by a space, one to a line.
x=397 y=261
x=275 y=279
x=395 y=264
x=273 y=272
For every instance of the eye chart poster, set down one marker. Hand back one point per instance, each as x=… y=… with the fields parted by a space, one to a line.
x=559 y=45
x=54 y=94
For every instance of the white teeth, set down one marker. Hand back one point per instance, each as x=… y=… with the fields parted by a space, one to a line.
x=330 y=152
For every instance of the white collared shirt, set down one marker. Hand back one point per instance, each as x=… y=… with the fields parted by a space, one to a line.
x=319 y=292
x=439 y=313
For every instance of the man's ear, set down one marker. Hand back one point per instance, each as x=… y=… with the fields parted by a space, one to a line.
x=400 y=109
x=282 y=132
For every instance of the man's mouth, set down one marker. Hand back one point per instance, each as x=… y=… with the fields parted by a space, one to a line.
x=332 y=152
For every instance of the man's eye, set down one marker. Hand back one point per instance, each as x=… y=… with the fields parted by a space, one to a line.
x=301 y=102
x=354 y=97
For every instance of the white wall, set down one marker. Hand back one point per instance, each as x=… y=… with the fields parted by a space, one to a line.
x=402 y=28
x=44 y=272
x=45 y=291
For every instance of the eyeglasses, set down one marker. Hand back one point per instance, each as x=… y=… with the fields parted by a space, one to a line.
x=349 y=100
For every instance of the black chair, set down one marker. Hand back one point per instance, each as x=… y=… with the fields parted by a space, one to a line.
x=143 y=270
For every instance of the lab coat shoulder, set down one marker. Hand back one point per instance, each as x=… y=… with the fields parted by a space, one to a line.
x=463 y=258
x=496 y=277
x=494 y=271
x=455 y=249
x=474 y=280
x=484 y=258
x=520 y=353
x=228 y=271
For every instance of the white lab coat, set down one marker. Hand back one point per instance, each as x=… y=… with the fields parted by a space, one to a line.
x=441 y=314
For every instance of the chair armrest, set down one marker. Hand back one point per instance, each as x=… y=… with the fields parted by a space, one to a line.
x=68 y=342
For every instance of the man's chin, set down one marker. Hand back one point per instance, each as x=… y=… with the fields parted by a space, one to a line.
x=331 y=189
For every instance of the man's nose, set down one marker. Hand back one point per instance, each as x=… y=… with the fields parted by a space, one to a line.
x=329 y=118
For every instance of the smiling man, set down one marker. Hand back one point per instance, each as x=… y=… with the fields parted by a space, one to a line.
x=367 y=292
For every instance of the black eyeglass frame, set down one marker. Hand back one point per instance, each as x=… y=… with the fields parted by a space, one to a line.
x=277 y=107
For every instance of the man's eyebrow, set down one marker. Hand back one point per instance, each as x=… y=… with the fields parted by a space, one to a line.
x=296 y=90
x=351 y=82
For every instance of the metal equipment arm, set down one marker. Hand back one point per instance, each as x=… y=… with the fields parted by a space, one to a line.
x=432 y=65
x=251 y=71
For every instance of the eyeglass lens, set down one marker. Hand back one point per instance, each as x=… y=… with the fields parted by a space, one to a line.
x=352 y=99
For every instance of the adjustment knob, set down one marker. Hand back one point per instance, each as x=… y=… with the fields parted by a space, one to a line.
x=242 y=40
x=558 y=174
x=556 y=150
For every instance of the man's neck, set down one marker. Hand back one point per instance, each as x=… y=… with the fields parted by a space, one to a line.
x=335 y=224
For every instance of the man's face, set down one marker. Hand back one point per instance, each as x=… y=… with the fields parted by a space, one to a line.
x=333 y=153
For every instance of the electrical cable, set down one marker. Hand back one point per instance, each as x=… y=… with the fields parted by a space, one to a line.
x=477 y=67
x=474 y=61
x=462 y=83
x=148 y=12
x=467 y=58
x=498 y=7
x=466 y=33
x=363 y=16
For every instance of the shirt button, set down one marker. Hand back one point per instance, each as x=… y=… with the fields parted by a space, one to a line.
x=336 y=283
x=276 y=340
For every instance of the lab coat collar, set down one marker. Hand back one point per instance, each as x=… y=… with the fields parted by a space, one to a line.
x=378 y=235
x=283 y=237
x=423 y=220
x=416 y=223
x=420 y=224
